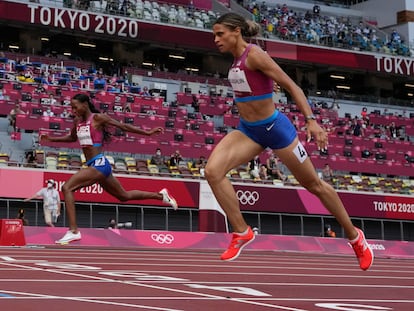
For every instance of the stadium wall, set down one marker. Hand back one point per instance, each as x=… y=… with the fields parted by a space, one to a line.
x=195 y=194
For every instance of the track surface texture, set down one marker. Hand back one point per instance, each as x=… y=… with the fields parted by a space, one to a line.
x=80 y=278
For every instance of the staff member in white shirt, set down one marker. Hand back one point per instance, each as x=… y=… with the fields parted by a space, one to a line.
x=51 y=202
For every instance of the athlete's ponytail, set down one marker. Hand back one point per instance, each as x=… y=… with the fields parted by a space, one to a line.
x=248 y=28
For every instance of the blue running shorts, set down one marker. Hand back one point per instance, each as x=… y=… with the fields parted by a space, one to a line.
x=275 y=132
x=100 y=163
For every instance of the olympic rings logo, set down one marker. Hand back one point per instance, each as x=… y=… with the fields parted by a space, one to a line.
x=247 y=197
x=162 y=238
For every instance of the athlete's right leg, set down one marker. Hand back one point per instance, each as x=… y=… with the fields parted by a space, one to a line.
x=232 y=151
x=84 y=177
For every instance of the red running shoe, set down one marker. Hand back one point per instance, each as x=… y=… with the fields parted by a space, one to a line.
x=238 y=242
x=363 y=251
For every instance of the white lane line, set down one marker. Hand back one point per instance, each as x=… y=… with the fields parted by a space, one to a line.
x=289 y=299
x=212 y=283
x=224 y=298
x=274 y=274
x=348 y=272
x=294 y=263
x=119 y=304
x=11 y=259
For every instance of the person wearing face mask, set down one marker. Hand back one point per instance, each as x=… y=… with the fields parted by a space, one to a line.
x=48 y=112
x=51 y=202
x=157 y=158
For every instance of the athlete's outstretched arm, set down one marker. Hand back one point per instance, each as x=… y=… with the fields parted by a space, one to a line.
x=71 y=137
x=105 y=120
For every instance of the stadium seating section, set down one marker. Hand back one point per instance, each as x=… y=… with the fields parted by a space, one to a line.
x=277 y=20
x=130 y=153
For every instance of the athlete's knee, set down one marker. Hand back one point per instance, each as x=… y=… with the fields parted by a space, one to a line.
x=123 y=197
x=317 y=186
x=213 y=173
x=66 y=188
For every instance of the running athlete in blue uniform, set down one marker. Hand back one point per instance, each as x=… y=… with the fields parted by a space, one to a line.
x=252 y=76
x=89 y=129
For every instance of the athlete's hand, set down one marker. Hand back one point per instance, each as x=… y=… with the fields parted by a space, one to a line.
x=313 y=129
x=156 y=130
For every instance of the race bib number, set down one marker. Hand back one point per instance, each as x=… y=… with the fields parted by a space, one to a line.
x=99 y=162
x=238 y=80
x=300 y=152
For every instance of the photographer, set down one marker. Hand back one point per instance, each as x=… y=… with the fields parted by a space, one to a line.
x=20 y=215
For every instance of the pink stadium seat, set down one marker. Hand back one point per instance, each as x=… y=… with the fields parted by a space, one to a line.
x=184 y=99
x=6 y=106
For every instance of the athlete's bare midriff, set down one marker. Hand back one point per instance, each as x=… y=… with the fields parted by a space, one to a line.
x=256 y=110
x=91 y=151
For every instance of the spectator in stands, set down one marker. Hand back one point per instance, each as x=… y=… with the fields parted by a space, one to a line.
x=52 y=99
x=68 y=3
x=383 y=133
x=200 y=164
x=48 y=112
x=273 y=168
x=327 y=173
x=364 y=113
x=253 y=167
x=99 y=83
x=187 y=125
x=51 y=202
x=40 y=89
x=392 y=129
x=401 y=134
x=261 y=126
x=356 y=128
x=90 y=129
x=13 y=114
x=263 y=172
x=30 y=158
x=175 y=158
x=395 y=37
x=335 y=106
x=190 y=7
x=145 y=92
x=157 y=158
x=195 y=104
x=65 y=113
